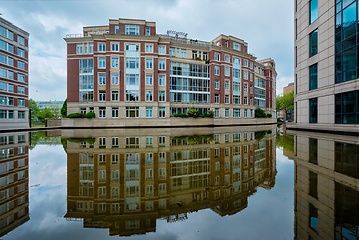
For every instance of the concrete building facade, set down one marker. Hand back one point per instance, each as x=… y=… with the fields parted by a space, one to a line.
x=326 y=192
x=14 y=76
x=326 y=76
x=125 y=70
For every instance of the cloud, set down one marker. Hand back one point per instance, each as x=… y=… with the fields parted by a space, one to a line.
x=283 y=82
x=267 y=27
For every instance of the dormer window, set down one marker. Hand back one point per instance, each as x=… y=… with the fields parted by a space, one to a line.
x=132 y=29
x=236 y=46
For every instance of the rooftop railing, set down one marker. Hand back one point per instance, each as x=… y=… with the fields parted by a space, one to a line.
x=183 y=40
x=191 y=42
x=80 y=35
x=75 y=35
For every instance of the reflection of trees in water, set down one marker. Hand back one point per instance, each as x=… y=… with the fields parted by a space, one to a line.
x=35 y=138
x=40 y=138
x=260 y=135
x=194 y=139
x=285 y=141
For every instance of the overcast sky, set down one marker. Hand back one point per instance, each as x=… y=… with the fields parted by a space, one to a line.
x=267 y=27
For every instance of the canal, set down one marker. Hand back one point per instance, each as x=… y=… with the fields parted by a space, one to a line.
x=257 y=182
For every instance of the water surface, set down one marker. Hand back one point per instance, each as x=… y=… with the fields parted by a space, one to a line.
x=203 y=183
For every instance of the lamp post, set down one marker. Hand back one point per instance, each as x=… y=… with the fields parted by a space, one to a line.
x=30 y=117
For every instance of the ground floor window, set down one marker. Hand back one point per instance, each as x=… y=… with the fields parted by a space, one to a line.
x=236 y=113
x=162 y=141
x=21 y=115
x=346 y=108
x=216 y=112
x=3 y=114
x=149 y=141
x=102 y=112
x=174 y=110
x=226 y=113
x=162 y=112
x=148 y=112
x=313 y=110
x=115 y=112
x=132 y=112
x=245 y=113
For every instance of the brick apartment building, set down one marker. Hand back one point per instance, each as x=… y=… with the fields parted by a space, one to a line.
x=14 y=180
x=125 y=179
x=14 y=76
x=127 y=70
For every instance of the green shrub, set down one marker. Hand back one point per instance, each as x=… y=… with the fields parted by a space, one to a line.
x=183 y=115
x=204 y=115
x=80 y=140
x=259 y=135
x=76 y=115
x=259 y=113
x=279 y=120
x=90 y=115
x=210 y=113
x=192 y=113
x=269 y=115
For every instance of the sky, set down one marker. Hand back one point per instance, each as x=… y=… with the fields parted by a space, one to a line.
x=267 y=27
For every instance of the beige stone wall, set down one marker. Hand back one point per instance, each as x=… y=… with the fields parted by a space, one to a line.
x=327 y=176
x=148 y=122
x=326 y=69
x=325 y=59
x=326 y=63
x=52 y=122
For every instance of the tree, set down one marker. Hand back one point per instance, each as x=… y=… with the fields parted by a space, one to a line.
x=64 y=109
x=45 y=113
x=34 y=109
x=285 y=103
x=285 y=141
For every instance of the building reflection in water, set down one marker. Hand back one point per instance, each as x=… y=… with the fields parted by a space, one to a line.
x=326 y=186
x=126 y=179
x=14 y=180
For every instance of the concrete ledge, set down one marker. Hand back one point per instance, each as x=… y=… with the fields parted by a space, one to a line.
x=33 y=129
x=52 y=122
x=348 y=129
x=166 y=122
